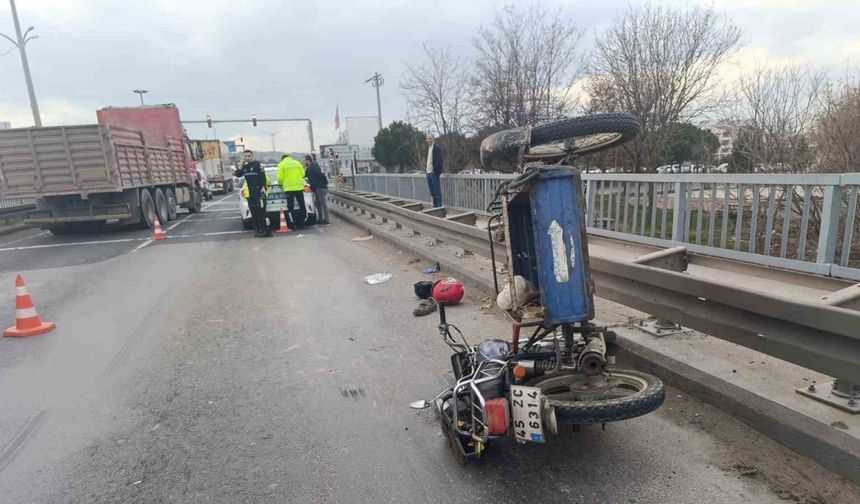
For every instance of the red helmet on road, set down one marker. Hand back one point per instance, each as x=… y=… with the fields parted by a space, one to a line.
x=449 y=291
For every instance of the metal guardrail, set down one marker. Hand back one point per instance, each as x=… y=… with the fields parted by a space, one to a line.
x=12 y=206
x=806 y=223
x=809 y=333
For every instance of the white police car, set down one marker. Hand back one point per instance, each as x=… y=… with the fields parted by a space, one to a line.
x=276 y=200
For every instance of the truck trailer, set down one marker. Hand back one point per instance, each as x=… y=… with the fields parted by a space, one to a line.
x=213 y=159
x=132 y=165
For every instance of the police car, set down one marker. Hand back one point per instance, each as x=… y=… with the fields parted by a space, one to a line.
x=276 y=200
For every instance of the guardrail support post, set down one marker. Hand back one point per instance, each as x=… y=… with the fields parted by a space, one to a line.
x=679 y=211
x=672 y=259
x=841 y=394
x=829 y=224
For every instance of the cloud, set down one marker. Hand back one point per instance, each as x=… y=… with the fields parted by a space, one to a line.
x=53 y=112
x=300 y=59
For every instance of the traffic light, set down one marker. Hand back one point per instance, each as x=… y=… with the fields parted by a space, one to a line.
x=241 y=140
x=209 y=120
x=254 y=119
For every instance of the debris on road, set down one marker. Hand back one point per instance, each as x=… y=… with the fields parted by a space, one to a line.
x=432 y=269
x=487 y=303
x=362 y=238
x=423 y=289
x=425 y=307
x=377 y=278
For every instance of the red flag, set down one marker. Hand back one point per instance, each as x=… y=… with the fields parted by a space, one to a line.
x=337 y=117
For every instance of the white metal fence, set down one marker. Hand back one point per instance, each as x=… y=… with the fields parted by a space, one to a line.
x=806 y=223
x=11 y=204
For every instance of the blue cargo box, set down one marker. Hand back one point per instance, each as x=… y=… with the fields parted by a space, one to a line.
x=549 y=245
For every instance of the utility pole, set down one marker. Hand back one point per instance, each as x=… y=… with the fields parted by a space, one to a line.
x=21 y=44
x=377 y=81
x=141 y=92
x=273 y=139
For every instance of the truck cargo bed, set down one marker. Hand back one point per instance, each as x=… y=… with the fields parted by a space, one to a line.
x=36 y=162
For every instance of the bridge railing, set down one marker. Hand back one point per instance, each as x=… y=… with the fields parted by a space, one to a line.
x=12 y=204
x=807 y=223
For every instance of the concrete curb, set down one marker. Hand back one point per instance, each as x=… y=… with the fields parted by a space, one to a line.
x=14 y=228
x=833 y=449
x=830 y=447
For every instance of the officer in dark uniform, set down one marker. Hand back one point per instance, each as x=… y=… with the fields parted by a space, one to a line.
x=255 y=180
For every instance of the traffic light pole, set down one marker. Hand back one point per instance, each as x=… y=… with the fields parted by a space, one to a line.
x=210 y=121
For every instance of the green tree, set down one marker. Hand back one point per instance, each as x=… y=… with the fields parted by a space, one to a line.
x=399 y=146
x=687 y=142
x=460 y=152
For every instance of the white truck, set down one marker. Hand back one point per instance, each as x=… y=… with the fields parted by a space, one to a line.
x=213 y=159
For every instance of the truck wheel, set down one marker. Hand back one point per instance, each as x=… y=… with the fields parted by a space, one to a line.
x=171 y=204
x=60 y=229
x=147 y=210
x=161 y=206
x=196 y=201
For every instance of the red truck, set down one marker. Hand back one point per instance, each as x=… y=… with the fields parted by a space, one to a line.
x=129 y=167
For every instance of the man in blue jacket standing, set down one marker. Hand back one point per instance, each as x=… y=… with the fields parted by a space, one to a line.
x=434 y=170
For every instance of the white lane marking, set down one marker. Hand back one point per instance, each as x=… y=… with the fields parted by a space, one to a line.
x=73 y=244
x=41 y=233
x=187 y=218
x=204 y=207
x=145 y=243
x=217 y=233
x=179 y=221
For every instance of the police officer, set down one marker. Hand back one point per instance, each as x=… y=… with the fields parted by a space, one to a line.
x=255 y=181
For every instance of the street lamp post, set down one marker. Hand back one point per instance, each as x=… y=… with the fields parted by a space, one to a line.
x=140 y=92
x=273 y=139
x=377 y=81
x=21 y=44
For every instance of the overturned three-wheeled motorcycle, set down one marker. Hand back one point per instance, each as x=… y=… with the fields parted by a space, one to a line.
x=554 y=369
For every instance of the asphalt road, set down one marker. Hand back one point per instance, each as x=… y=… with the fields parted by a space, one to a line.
x=214 y=367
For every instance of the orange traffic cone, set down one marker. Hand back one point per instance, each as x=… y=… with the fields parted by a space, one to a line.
x=159 y=234
x=282 y=227
x=27 y=321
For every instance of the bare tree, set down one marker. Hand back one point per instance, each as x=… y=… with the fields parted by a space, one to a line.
x=527 y=62
x=659 y=63
x=776 y=109
x=436 y=91
x=837 y=128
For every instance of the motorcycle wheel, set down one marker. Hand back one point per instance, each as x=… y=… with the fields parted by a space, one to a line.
x=583 y=135
x=620 y=394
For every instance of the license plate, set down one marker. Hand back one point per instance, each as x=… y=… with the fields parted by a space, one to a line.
x=526 y=413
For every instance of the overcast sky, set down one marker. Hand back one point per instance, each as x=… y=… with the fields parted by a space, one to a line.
x=235 y=58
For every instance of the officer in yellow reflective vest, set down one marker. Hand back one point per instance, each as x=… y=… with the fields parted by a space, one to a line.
x=291 y=176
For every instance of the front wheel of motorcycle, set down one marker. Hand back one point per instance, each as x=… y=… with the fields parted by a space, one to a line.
x=617 y=395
